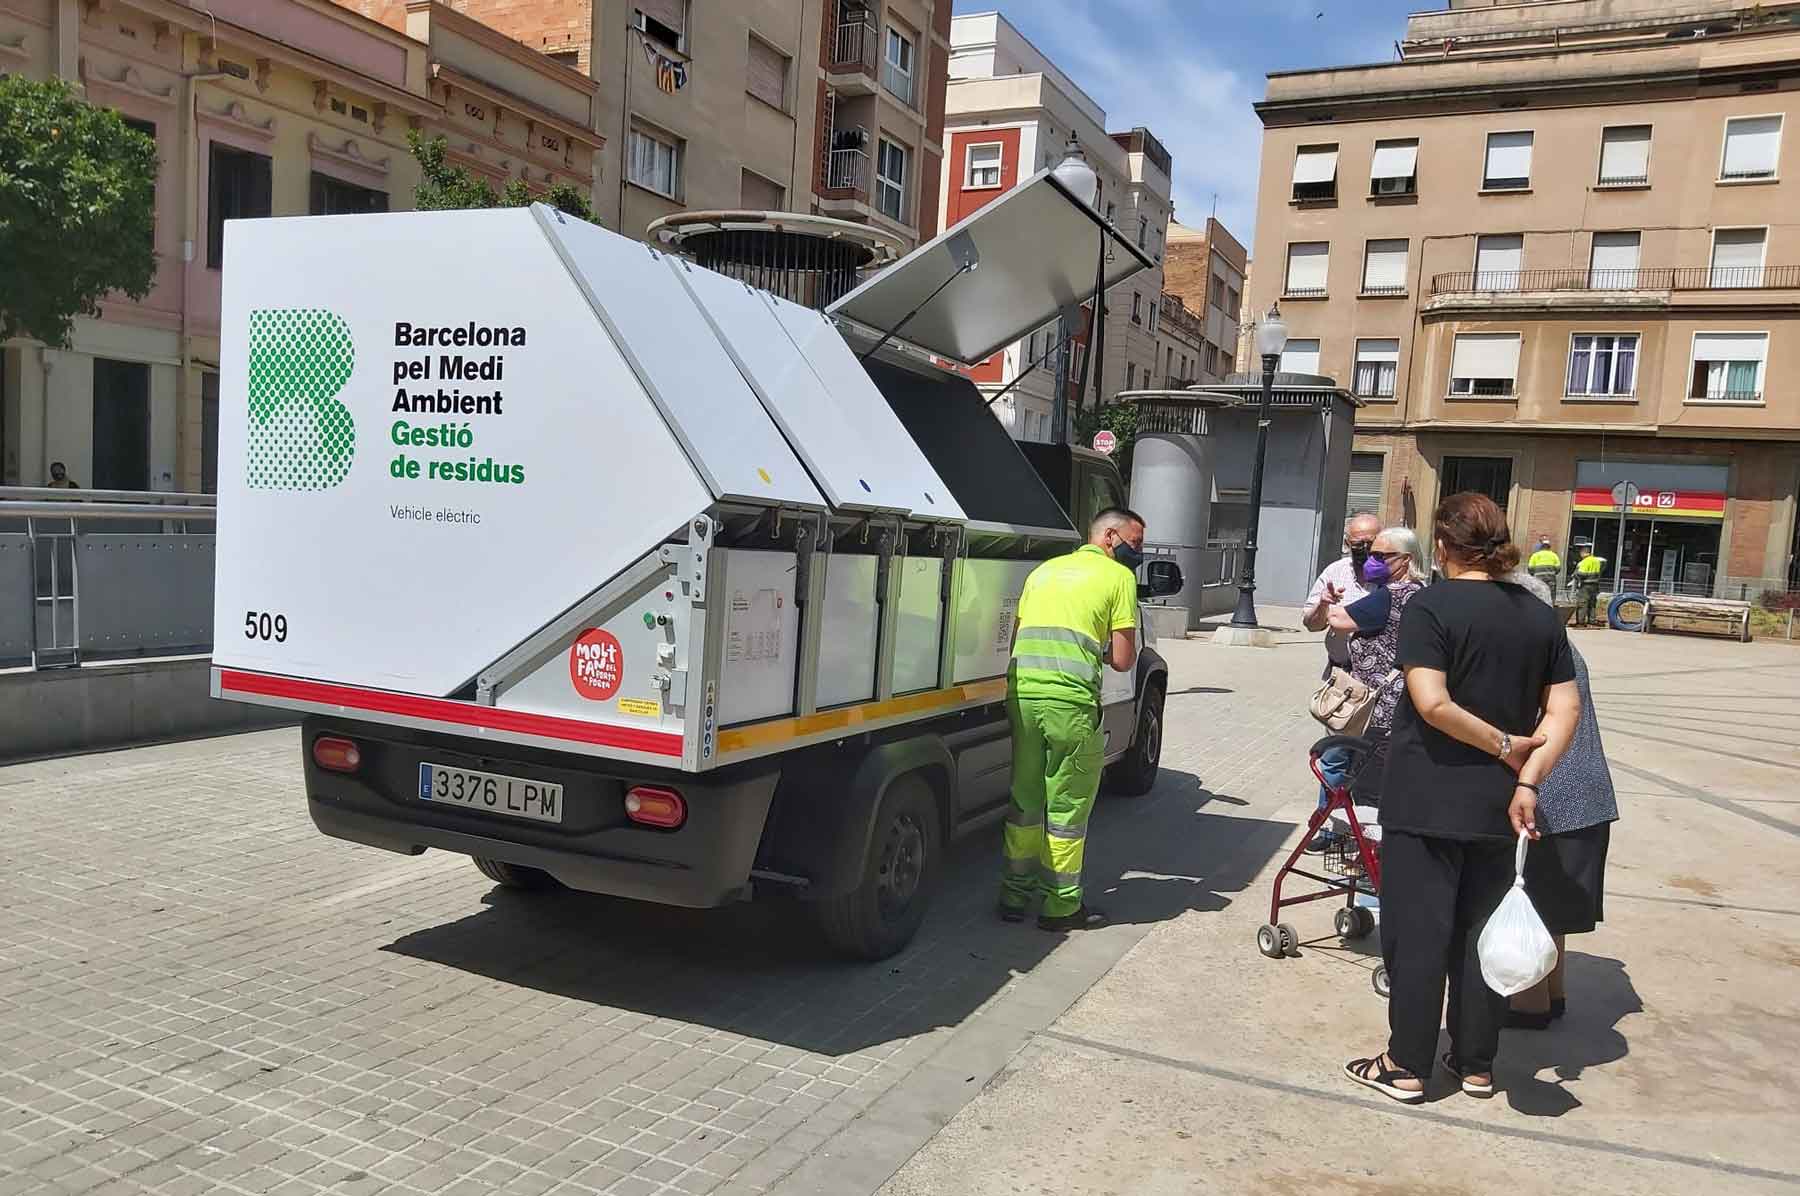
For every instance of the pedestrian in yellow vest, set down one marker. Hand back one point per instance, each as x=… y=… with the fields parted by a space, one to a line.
x=1077 y=615
x=1588 y=577
x=1544 y=564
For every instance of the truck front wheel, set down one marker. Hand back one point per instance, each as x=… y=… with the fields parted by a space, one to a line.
x=880 y=916
x=1134 y=774
x=514 y=876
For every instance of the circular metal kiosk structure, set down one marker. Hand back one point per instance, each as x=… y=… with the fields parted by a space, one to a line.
x=810 y=260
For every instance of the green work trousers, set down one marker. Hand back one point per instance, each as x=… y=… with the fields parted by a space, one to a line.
x=1055 y=775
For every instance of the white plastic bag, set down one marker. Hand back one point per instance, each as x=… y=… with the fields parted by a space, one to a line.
x=1516 y=950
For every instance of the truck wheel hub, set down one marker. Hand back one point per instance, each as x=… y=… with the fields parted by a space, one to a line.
x=902 y=863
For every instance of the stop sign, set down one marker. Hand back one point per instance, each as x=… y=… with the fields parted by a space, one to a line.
x=1105 y=441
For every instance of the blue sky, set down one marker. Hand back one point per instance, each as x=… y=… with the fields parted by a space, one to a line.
x=1190 y=69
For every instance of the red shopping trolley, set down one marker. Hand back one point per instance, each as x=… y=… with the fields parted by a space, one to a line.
x=1348 y=868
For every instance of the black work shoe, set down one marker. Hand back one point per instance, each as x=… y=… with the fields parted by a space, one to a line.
x=1085 y=918
x=1011 y=913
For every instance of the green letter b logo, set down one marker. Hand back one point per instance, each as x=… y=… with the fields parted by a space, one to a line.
x=301 y=437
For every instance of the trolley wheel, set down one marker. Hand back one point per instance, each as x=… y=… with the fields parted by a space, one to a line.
x=1290 y=941
x=1380 y=981
x=1365 y=922
x=1268 y=941
x=1346 y=924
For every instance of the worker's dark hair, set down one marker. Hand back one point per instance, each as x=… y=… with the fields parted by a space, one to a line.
x=1472 y=528
x=1114 y=517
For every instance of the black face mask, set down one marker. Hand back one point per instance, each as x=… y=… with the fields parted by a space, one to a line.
x=1359 y=554
x=1127 y=556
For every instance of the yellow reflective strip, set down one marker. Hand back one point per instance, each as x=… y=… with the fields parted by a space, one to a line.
x=1066 y=855
x=786 y=730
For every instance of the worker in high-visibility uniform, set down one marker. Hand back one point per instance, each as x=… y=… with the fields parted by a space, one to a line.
x=1544 y=564
x=1588 y=569
x=1077 y=615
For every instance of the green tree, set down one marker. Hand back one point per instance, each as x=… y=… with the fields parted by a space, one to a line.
x=77 y=209
x=443 y=186
x=1118 y=418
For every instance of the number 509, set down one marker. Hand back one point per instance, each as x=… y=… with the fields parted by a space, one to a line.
x=261 y=625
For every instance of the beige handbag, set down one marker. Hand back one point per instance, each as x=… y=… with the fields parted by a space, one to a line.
x=1344 y=704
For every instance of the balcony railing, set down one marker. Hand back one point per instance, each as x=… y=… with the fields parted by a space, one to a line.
x=1647 y=278
x=855 y=46
x=847 y=170
x=1176 y=313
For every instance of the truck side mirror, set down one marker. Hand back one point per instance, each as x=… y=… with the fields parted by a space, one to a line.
x=1162 y=578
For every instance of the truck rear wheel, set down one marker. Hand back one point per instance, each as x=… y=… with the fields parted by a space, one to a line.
x=514 y=876
x=883 y=912
x=1134 y=774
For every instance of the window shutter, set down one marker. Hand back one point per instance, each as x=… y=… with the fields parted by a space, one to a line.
x=1502 y=256
x=1486 y=355
x=1615 y=259
x=1306 y=266
x=1735 y=248
x=669 y=12
x=1384 y=266
x=1315 y=165
x=1731 y=346
x=1364 y=493
x=1625 y=154
x=1395 y=160
x=1508 y=156
x=1300 y=357
x=766 y=78
x=1752 y=145
x=1378 y=350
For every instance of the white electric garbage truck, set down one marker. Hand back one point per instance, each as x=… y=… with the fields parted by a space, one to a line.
x=610 y=571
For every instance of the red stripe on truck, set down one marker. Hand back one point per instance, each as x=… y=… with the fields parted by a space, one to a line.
x=655 y=743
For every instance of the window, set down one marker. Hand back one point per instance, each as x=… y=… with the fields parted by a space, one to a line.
x=1498 y=262
x=1143 y=231
x=209 y=432
x=1365 y=482
x=897 y=69
x=766 y=73
x=1315 y=173
x=1484 y=363
x=1155 y=312
x=568 y=58
x=1625 y=156
x=1603 y=365
x=238 y=187
x=148 y=129
x=1613 y=263
x=1728 y=366
x=759 y=194
x=1752 y=148
x=1306 y=268
x=1737 y=257
x=663 y=21
x=1231 y=302
x=655 y=163
x=1169 y=362
x=1508 y=162
x=121 y=425
x=1300 y=357
x=1384 y=268
x=333 y=197
x=1137 y=308
x=983 y=166
x=1215 y=292
x=1131 y=375
x=890 y=180
x=1395 y=168
x=1227 y=363
x=1491 y=476
x=1377 y=363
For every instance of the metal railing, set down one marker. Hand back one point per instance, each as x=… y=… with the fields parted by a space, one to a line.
x=89 y=575
x=847 y=170
x=1176 y=313
x=855 y=45
x=1647 y=278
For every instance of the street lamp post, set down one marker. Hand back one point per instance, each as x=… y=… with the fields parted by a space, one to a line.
x=1271 y=339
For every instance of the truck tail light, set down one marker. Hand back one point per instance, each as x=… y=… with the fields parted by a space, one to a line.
x=336 y=755
x=655 y=806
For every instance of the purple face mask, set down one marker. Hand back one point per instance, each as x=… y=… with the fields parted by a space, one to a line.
x=1375 y=572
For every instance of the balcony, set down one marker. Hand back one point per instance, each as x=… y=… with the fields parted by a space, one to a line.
x=847 y=174
x=1176 y=316
x=855 y=50
x=1648 y=278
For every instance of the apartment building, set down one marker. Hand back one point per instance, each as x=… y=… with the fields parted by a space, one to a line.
x=1205 y=270
x=1009 y=113
x=1556 y=247
x=284 y=107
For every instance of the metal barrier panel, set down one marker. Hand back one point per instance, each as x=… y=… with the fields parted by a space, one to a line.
x=145 y=595
x=18 y=603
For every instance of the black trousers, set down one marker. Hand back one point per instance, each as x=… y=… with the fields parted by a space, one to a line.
x=1436 y=895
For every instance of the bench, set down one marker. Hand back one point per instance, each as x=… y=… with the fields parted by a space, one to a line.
x=1719 y=613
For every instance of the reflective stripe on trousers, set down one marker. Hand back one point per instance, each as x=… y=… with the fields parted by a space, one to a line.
x=1056 y=774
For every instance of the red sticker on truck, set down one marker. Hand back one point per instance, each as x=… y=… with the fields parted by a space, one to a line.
x=596 y=664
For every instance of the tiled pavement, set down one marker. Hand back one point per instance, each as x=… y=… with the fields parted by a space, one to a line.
x=199 y=993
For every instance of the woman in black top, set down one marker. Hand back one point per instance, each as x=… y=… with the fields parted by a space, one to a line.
x=1490 y=705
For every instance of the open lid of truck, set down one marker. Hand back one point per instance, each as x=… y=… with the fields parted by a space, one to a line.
x=995 y=276
x=845 y=433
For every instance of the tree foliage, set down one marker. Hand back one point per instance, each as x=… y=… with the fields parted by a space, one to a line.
x=1118 y=418
x=77 y=209
x=443 y=186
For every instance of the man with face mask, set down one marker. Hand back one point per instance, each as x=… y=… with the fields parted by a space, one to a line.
x=1077 y=615
x=1339 y=585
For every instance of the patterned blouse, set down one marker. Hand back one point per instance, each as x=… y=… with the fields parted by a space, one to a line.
x=1579 y=790
x=1372 y=657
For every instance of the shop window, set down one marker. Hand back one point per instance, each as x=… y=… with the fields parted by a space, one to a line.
x=1491 y=476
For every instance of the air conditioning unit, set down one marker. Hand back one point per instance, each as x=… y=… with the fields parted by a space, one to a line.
x=1397 y=185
